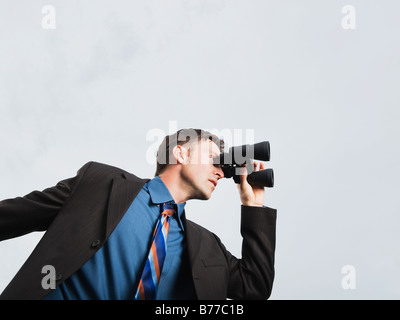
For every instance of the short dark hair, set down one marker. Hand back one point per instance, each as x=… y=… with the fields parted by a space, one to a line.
x=179 y=138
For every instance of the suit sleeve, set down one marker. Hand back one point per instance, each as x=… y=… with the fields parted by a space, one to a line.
x=36 y=210
x=252 y=276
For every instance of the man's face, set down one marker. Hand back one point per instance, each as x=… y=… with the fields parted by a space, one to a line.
x=198 y=171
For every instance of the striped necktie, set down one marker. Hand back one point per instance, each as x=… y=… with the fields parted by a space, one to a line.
x=151 y=275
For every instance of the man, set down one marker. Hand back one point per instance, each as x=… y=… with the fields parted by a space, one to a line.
x=101 y=232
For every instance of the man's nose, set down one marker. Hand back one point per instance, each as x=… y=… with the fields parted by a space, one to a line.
x=219 y=173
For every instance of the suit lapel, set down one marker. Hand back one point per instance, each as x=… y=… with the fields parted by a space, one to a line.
x=193 y=240
x=124 y=190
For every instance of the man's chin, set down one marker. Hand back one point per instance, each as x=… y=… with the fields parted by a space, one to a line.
x=203 y=196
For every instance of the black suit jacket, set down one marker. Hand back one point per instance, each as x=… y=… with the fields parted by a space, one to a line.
x=80 y=213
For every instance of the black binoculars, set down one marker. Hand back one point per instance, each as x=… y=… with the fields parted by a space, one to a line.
x=240 y=156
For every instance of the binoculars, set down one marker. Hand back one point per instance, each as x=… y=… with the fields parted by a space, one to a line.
x=238 y=157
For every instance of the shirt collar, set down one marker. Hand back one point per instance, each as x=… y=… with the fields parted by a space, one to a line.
x=159 y=194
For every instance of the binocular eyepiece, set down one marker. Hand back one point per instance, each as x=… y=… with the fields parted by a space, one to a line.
x=240 y=156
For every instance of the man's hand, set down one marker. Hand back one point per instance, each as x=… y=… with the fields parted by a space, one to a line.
x=251 y=196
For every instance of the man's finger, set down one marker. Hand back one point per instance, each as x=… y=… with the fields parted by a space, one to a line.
x=255 y=163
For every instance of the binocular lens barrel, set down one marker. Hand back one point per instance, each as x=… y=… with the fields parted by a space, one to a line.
x=263 y=178
x=262 y=151
x=239 y=156
x=258 y=151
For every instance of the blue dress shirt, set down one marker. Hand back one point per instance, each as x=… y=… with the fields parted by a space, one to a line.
x=113 y=272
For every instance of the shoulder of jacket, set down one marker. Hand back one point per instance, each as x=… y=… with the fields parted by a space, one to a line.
x=97 y=168
x=200 y=229
x=98 y=165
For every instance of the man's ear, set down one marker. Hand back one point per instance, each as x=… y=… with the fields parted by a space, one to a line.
x=180 y=153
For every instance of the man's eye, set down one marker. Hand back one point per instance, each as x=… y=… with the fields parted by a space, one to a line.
x=213 y=161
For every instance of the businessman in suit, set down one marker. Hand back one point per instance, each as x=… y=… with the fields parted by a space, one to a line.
x=99 y=228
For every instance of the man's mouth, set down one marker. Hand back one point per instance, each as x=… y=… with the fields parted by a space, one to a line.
x=214 y=182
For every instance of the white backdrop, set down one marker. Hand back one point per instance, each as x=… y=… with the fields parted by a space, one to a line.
x=95 y=80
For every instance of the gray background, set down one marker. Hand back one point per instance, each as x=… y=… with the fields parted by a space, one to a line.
x=114 y=72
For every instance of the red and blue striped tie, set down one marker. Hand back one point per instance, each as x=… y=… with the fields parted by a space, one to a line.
x=151 y=275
